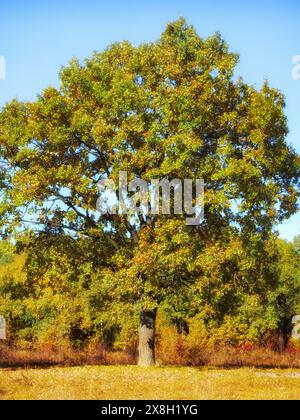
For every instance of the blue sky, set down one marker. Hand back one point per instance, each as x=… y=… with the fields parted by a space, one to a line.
x=37 y=38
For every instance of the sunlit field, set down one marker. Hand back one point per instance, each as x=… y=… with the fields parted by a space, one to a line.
x=111 y=382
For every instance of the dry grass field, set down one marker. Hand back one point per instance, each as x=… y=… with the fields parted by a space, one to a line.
x=131 y=382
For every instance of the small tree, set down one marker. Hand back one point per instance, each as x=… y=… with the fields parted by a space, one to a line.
x=169 y=109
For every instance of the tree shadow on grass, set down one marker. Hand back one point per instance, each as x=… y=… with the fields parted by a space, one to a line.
x=249 y=366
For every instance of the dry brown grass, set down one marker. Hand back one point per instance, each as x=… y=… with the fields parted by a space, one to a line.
x=177 y=355
x=131 y=382
x=229 y=357
x=64 y=356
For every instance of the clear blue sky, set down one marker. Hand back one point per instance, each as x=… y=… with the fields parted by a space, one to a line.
x=37 y=38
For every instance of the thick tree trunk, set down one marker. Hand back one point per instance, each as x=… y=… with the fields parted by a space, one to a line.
x=147 y=339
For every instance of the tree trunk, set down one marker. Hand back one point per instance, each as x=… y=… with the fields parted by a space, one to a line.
x=182 y=326
x=282 y=341
x=147 y=339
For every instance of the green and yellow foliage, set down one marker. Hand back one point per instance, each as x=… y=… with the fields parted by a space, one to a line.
x=168 y=109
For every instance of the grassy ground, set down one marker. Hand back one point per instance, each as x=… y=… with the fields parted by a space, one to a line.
x=120 y=382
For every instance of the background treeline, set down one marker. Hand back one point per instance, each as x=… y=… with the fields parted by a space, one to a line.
x=57 y=300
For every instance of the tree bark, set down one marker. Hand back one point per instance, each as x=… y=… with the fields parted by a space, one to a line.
x=147 y=339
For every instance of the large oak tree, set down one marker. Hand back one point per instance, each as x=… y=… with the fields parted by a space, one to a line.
x=169 y=109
